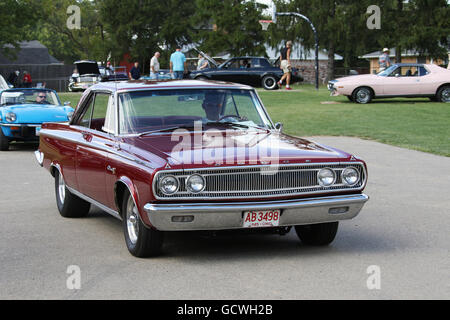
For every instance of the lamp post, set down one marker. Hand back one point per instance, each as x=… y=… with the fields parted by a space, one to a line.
x=316 y=38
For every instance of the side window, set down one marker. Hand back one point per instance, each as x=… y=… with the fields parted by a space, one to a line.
x=85 y=120
x=100 y=108
x=256 y=63
x=422 y=71
x=96 y=113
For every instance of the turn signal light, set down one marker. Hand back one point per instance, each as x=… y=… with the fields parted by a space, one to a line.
x=182 y=218
x=338 y=210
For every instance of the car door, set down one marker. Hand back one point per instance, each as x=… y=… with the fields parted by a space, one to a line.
x=232 y=71
x=403 y=81
x=92 y=148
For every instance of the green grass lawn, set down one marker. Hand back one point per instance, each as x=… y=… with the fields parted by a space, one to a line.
x=411 y=123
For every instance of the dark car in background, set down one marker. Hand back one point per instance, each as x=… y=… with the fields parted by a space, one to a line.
x=253 y=71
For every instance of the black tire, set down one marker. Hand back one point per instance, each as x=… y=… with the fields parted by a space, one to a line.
x=433 y=99
x=269 y=82
x=443 y=94
x=350 y=98
x=141 y=241
x=69 y=205
x=362 y=95
x=317 y=234
x=4 y=142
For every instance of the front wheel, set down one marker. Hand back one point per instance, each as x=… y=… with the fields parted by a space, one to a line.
x=317 y=234
x=443 y=95
x=269 y=82
x=141 y=241
x=69 y=205
x=4 y=142
x=362 y=95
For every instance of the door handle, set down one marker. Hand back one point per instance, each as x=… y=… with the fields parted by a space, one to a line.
x=111 y=169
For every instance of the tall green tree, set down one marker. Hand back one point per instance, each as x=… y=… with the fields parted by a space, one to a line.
x=141 y=27
x=229 y=26
x=16 y=19
x=68 y=44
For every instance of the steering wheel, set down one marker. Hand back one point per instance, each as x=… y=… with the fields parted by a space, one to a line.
x=230 y=116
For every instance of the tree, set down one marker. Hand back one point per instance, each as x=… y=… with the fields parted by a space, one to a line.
x=16 y=18
x=230 y=26
x=141 y=27
x=65 y=43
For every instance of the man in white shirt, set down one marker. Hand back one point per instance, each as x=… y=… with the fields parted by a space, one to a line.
x=154 y=66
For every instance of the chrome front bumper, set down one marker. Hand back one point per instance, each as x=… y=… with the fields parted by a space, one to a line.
x=223 y=216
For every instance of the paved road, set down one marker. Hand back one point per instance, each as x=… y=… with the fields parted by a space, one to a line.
x=404 y=230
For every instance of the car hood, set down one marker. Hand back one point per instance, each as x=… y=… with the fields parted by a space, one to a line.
x=211 y=60
x=212 y=148
x=358 y=78
x=86 y=67
x=37 y=113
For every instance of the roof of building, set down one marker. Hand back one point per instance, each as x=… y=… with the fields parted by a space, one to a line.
x=31 y=53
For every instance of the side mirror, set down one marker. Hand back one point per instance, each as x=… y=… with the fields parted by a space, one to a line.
x=67 y=103
x=397 y=75
x=279 y=127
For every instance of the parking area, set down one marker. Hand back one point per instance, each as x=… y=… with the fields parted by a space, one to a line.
x=402 y=233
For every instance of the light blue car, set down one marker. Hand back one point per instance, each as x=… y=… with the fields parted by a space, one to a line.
x=22 y=112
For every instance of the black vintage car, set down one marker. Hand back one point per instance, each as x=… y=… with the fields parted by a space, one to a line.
x=253 y=71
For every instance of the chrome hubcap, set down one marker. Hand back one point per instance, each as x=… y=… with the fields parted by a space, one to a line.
x=61 y=189
x=446 y=95
x=362 y=95
x=132 y=221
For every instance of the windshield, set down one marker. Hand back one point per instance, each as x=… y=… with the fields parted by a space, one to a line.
x=387 y=72
x=3 y=84
x=29 y=96
x=153 y=110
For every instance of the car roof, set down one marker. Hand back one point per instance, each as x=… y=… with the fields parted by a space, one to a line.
x=248 y=57
x=131 y=85
x=410 y=64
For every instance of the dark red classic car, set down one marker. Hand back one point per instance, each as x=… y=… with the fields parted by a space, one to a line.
x=195 y=155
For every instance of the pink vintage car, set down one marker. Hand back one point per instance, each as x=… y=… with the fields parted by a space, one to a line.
x=409 y=80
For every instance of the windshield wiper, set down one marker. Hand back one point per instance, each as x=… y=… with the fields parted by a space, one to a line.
x=186 y=126
x=235 y=124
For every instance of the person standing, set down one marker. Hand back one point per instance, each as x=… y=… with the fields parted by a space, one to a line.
x=154 y=66
x=178 y=65
x=135 y=72
x=202 y=63
x=26 y=80
x=285 y=65
x=384 y=61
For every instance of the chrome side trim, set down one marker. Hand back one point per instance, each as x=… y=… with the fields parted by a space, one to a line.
x=39 y=157
x=222 y=216
x=95 y=203
x=20 y=125
x=87 y=144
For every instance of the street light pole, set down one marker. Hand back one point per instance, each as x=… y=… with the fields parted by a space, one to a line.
x=316 y=37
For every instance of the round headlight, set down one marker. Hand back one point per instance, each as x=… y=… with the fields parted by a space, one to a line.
x=195 y=183
x=350 y=176
x=70 y=115
x=10 y=117
x=326 y=177
x=169 y=185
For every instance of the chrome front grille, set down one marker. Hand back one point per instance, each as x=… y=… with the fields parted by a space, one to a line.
x=259 y=181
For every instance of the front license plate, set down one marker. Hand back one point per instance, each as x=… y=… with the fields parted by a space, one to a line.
x=261 y=218
x=38 y=129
